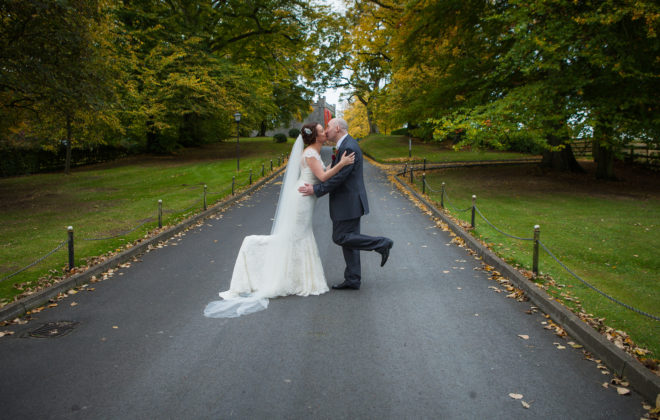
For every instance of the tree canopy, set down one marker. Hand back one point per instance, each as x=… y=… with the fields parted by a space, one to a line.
x=157 y=75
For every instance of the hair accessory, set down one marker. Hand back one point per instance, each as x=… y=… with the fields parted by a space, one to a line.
x=307 y=131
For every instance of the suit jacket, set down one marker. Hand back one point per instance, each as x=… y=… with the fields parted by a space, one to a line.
x=348 y=197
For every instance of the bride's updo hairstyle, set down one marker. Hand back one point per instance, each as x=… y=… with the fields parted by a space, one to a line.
x=308 y=133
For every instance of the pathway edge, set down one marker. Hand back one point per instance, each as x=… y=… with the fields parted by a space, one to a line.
x=641 y=379
x=22 y=306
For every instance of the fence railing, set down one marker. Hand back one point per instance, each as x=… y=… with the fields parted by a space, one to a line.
x=644 y=153
x=408 y=173
x=201 y=203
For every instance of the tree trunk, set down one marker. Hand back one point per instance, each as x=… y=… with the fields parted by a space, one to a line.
x=67 y=161
x=373 y=127
x=262 y=129
x=603 y=152
x=562 y=160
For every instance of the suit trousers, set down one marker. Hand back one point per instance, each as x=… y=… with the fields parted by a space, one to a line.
x=346 y=233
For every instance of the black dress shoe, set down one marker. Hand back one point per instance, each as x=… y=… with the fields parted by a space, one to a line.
x=385 y=252
x=345 y=285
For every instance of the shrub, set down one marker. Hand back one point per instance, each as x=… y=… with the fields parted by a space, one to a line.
x=279 y=138
x=423 y=132
x=400 y=131
x=294 y=133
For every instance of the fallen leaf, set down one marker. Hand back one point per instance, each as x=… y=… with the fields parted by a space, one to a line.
x=516 y=396
x=524 y=404
x=523 y=336
x=606 y=385
x=52 y=305
x=73 y=304
x=622 y=391
x=115 y=327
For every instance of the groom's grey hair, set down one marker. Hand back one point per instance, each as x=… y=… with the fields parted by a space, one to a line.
x=342 y=124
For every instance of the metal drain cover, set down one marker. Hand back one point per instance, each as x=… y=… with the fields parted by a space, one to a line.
x=54 y=329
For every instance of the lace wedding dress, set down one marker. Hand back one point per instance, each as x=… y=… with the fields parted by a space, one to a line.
x=287 y=261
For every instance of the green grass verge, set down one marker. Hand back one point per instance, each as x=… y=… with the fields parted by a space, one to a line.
x=391 y=149
x=606 y=232
x=108 y=199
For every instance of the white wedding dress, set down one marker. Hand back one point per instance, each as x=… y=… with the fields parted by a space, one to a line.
x=287 y=261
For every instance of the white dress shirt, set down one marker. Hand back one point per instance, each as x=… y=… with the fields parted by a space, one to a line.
x=340 y=140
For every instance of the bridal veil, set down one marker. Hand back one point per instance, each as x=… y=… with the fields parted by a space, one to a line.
x=275 y=254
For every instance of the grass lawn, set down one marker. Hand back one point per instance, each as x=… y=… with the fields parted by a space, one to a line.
x=606 y=232
x=108 y=199
x=391 y=149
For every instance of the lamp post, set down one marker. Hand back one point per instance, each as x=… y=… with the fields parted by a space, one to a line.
x=237 y=117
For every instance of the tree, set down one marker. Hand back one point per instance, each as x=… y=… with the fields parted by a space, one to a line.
x=505 y=72
x=199 y=62
x=54 y=75
x=361 y=61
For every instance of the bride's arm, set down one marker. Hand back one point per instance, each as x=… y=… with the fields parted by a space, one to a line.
x=316 y=167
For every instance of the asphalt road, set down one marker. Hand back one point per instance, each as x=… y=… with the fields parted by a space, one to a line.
x=425 y=337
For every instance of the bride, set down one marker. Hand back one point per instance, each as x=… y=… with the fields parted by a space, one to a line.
x=287 y=261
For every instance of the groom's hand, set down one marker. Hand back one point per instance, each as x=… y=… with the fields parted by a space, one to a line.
x=306 y=189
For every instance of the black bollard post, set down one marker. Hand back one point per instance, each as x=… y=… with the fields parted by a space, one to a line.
x=535 y=257
x=474 y=207
x=271 y=165
x=160 y=214
x=204 y=196
x=72 y=263
x=424 y=164
x=423 y=182
x=250 y=182
x=262 y=169
x=442 y=197
x=233 y=184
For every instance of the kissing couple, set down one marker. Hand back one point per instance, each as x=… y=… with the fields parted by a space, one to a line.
x=287 y=261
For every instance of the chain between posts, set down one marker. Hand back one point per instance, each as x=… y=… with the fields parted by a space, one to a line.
x=625 y=305
x=70 y=232
x=57 y=248
x=535 y=257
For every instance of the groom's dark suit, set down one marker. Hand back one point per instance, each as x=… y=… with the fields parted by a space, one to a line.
x=348 y=202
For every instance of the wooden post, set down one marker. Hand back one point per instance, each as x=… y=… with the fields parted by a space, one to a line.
x=535 y=257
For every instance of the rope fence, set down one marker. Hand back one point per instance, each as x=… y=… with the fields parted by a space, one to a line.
x=203 y=201
x=535 y=239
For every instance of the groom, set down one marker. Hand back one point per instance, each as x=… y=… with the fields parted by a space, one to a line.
x=348 y=202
